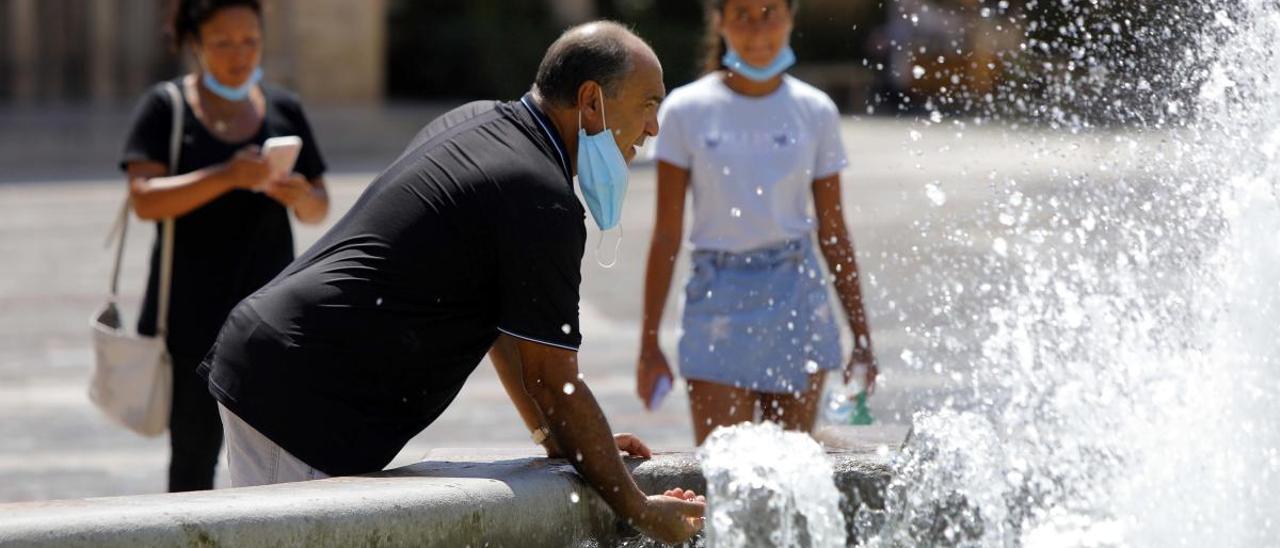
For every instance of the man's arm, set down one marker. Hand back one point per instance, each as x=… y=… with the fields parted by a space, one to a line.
x=506 y=361
x=579 y=428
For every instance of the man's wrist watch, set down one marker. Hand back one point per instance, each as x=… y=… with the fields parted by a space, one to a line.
x=540 y=435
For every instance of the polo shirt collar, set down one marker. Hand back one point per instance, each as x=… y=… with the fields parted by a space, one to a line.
x=548 y=128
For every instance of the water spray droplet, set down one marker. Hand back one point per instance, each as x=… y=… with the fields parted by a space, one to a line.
x=935 y=194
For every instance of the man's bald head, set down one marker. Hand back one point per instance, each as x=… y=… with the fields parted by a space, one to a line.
x=602 y=51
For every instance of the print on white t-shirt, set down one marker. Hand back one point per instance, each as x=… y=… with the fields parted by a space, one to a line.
x=752 y=160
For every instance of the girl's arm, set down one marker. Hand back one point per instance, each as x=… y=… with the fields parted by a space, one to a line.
x=837 y=248
x=668 y=230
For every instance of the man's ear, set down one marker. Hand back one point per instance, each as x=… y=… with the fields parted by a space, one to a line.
x=590 y=96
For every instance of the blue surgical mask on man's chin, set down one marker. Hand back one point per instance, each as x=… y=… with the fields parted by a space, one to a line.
x=237 y=93
x=602 y=176
x=780 y=63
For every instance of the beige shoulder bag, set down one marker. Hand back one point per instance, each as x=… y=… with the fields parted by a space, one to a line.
x=133 y=375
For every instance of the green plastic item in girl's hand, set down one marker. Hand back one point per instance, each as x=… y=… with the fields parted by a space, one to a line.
x=861 y=414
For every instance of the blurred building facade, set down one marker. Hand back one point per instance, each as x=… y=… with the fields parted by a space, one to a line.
x=106 y=51
x=861 y=52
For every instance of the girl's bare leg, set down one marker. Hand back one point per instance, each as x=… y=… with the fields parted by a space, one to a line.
x=713 y=405
x=794 y=412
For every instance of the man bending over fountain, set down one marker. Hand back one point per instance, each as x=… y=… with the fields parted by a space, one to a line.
x=470 y=242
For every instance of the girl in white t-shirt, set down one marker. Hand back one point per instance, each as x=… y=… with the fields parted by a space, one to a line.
x=756 y=147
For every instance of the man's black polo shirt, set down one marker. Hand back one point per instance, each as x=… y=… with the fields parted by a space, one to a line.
x=367 y=337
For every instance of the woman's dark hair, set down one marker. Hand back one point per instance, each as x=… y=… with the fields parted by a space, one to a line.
x=188 y=15
x=713 y=46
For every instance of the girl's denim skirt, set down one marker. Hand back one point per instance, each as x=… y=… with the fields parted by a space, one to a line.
x=758 y=319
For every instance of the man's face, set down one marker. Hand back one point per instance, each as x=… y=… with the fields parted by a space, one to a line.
x=632 y=114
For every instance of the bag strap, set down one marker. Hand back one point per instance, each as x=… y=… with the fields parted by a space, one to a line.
x=118 y=231
x=166 y=246
x=121 y=227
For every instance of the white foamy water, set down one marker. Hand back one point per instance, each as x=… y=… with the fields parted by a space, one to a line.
x=1121 y=379
x=767 y=487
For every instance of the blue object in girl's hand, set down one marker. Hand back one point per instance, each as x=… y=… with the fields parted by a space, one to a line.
x=661 y=388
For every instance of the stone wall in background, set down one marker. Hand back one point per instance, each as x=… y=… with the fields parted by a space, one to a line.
x=109 y=51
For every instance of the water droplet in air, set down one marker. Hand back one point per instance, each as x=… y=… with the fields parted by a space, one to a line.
x=568 y=388
x=935 y=194
x=735 y=212
x=566 y=328
x=917 y=71
x=378 y=302
x=810 y=367
x=573 y=497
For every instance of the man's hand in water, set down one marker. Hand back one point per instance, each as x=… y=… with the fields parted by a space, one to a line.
x=672 y=517
x=580 y=430
x=684 y=494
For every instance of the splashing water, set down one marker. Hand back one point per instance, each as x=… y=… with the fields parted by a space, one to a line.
x=767 y=487
x=1125 y=388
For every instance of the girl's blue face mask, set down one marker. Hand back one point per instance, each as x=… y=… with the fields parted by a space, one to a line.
x=602 y=176
x=781 y=62
x=238 y=93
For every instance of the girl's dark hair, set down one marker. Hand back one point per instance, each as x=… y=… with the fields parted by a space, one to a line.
x=713 y=46
x=188 y=15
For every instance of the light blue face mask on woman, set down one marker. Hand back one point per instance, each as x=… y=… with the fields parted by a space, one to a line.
x=238 y=93
x=780 y=64
x=602 y=176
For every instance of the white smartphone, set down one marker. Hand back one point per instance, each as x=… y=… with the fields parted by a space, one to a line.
x=281 y=153
x=661 y=388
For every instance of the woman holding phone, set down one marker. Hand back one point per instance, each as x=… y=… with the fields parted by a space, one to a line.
x=756 y=147
x=232 y=231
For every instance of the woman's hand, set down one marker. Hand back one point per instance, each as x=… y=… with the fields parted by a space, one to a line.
x=290 y=192
x=651 y=365
x=247 y=169
x=862 y=363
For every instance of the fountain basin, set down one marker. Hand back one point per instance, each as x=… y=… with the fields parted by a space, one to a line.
x=455 y=497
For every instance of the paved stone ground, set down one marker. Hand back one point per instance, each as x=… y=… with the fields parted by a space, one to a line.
x=54 y=444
